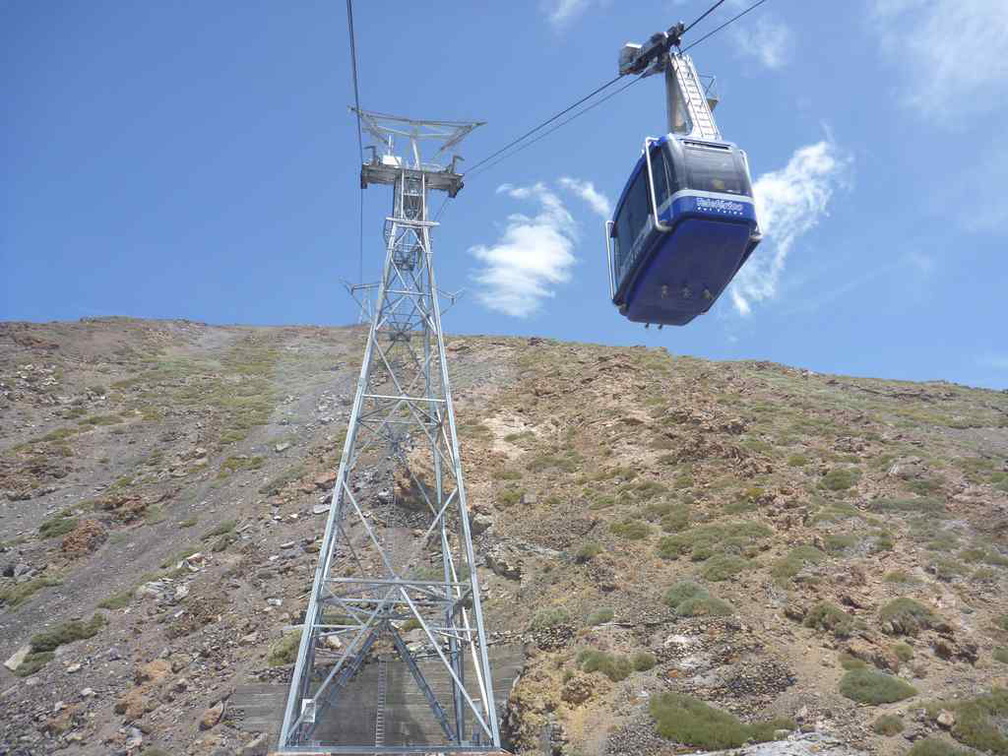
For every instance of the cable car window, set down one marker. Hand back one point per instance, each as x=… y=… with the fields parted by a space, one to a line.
x=714 y=170
x=661 y=186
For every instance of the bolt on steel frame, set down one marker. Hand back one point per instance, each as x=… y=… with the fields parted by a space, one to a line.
x=384 y=567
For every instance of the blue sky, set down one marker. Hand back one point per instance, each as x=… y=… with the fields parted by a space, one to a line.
x=197 y=160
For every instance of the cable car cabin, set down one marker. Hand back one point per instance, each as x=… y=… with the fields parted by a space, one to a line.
x=684 y=226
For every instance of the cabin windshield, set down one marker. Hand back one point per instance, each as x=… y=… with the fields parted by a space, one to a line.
x=714 y=169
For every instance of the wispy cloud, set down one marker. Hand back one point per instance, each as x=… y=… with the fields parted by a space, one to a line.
x=766 y=41
x=951 y=52
x=532 y=256
x=586 y=190
x=790 y=202
x=562 y=12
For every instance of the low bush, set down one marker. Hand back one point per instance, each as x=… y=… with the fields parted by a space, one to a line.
x=701 y=542
x=904 y=616
x=600 y=616
x=1001 y=655
x=871 y=687
x=830 y=618
x=689 y=721
x=614 y=666
x=797 y=559
x=904 y=651
x=68 y=632
x=16 y=594
x=632 y=530
x=284 y=651
x=545 y=619
x=888 y=724
x=59 y=525
x=690 y=599
x=587 y=551
x=936 y=747
x=642 y=661
x=723 y=566
x=980 y=722
x=840 y=479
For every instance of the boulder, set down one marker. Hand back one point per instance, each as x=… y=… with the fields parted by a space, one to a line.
x=17 y=658
x=212 y=716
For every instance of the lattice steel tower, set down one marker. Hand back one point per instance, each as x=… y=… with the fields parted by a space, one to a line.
x=393 y=655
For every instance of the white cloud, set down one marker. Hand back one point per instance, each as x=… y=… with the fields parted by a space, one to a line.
x=952 y=52
x=532 y=255
x=766 y=41
x=586 y=190
x=562 y=12
x=789 y=203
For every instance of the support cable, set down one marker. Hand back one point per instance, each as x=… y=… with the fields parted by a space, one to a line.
x=472 y=173
x=547 y=122
x=731 y=20
x=703 y=16
x=360 y=138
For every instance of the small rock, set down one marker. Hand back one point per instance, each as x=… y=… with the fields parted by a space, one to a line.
x=254 y=747
x=248 y=640
x=87 y=693
x=288 y=545
x=212 y=716
x=73 y=668
x=320 y=509
x=481 y=523
x=18 y=657
x=946 y=719
x=281 y=447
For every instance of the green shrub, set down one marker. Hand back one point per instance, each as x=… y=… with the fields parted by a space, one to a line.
x=632 y=530
x=723 y=566
x=642 y=661
x=904 y=616
x=17 y=593
x=587 y=551
x=871 y=687
x=284 y=651
x=678 y=518
x=980 y=722
x=510 y=496
x=1001 y=655
x=831 y=618
x=690 y=599
x=689 y=721
x=118 y=600
x=223 y=529
x=936 y=747
x=888 y=724
x=797 y=559
x=614 y=666
x=738 y=537
x=682 y=591
x=545 y=619
x=33 y=662
x=600 y=616
x=68 y=632
x=57 y=526
x=904 y=651
x=922 y=505
x=840 y=478
x=797 y=460
x=899 y=576
x=841 y=543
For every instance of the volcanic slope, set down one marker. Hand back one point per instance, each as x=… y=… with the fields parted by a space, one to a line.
x=685 y=553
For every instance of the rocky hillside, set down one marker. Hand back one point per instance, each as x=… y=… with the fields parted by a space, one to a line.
x=692 y=554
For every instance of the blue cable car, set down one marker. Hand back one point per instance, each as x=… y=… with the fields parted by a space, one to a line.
x=683 y=227
x=686 y=221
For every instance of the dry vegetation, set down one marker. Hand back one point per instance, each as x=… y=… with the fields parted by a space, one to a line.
x=698 y=554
